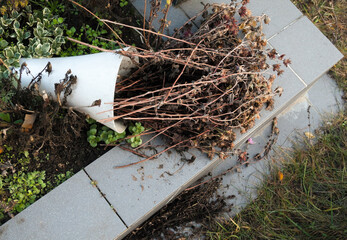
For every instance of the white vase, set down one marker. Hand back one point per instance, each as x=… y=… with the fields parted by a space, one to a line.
x=96 y=80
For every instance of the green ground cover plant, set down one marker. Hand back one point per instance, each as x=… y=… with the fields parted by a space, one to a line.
x=20 y=186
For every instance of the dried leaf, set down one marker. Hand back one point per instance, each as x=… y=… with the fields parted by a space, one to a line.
x=267 y=19
x=280 y=176
x=28 y=123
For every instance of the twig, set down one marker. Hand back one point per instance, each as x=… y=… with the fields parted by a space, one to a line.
x=144 y=160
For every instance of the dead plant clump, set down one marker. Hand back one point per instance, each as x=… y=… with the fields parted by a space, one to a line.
x=199 y=87
x=194 y=209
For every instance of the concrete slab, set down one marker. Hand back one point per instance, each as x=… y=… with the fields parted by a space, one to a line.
x=138 y=191
x=298 y=119
x=325 y=96
x=281 y=12
x=175 y=15
x=73 y=210
x=241 y=184
x=312 y=54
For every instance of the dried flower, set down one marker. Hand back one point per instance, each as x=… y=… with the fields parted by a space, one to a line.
x=244 y=12
x=286 y=62
x=281 y=57
x=276 y=67
x=272 y=54
x=267 y=19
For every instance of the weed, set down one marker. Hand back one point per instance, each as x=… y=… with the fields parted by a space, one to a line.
x=62 y=177
x=88 y=34
x=98 y=133
x=123 y=3
x=136 y=129
x=23 y=188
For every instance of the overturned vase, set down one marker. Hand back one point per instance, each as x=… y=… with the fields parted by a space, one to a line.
x=94 y=80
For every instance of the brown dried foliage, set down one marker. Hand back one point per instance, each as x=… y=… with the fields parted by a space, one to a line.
x=213 y=80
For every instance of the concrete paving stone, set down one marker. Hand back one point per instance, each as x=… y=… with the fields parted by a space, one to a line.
x=138 y=191
x=281 y=12
x=312 y=54
x=74 y=210
x=325 y=96
x=242 y=184
x=175 y=15
x=295 y=120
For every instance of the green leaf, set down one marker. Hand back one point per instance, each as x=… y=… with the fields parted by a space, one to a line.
x=60 y=20
x=19 y=121
x=9 y=53
x=16 y=24
x=92 y=132
x=46 y=12
x=38 y=50
x=58 y=31
x=90 y=120
x=26 y=154
x=26 y=35
x=45 y=48
x=3 y=43
x=60 y=39
x=5 y=117
x=103 y=136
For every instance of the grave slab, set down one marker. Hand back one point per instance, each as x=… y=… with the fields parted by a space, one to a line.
x=175 y=15
x=240 y=185
x=298 y=119
x=312 y=54
x=74 y=210
x=138 y=190
x=325 y=95
x=281 y=12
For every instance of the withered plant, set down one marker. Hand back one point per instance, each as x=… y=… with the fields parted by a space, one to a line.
x=197 y=87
